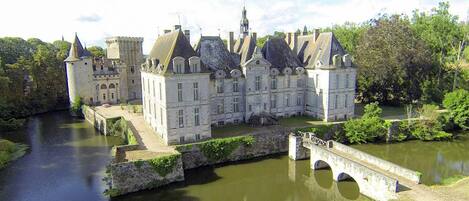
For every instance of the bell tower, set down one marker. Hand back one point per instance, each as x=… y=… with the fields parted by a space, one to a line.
x=244 y=25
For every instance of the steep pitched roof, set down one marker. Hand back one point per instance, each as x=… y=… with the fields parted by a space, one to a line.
x=214 y=54
x=77 y=51
x=325 y=47
x=277 y=52
x=171 y=45
x=249 y=44
x=237 y=45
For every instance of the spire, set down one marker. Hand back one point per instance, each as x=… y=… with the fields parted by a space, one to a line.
x=305 y=31
x=244 y=25
x=76 y=50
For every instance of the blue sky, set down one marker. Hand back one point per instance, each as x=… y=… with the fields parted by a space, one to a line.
x=95 y=20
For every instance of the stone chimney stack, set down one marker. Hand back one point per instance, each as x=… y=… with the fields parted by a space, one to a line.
x=316 y=34
x=187 y=33
x=167 y=31
x=288 y=39
x=231 y=41
x=254 y=35
x=176 y=27
x=294 y=42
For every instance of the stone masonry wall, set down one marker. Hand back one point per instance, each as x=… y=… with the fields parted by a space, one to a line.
x=271 y=142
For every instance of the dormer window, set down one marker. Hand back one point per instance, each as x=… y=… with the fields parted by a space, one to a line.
x=194 y=63
x=178 y=65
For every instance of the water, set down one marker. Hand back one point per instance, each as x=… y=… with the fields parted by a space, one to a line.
x=68 y=157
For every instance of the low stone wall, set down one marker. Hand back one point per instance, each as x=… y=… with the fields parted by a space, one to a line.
x=139 y=175
x=98 y=121
x=383 y=164
x=271 y=142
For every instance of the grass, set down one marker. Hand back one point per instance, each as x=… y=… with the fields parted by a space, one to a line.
x=232 y=130
x=452 y=179
x=300 y=121
x=10 y=151
x=389 y=112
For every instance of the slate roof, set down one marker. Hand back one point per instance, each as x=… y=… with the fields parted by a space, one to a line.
x=214 y=54
x=171 y=45
x=278 y=53
x=77 y=51
x=249 y=44
x=325 y=47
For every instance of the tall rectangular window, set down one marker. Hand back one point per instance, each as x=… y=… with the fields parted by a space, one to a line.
x=287 y=77
x=235 y=85
x=154 y=89
x=298 y=100
x=179 y=92
x=181 y=118
x=161 y=96
x=288 y=100
x=154 y=111
x=178 y=68
x=347 y=81
x=196 y=117
x=299 y=82
x=273 y=103
x=220 y=84
x=346 y=100
x=337 y=81
x=196 y=91
x=161 y=116
x=220 y=108
x=274 y=82
x=336 y=101
x=258 y=83
x=143 y=84
x=235 y=104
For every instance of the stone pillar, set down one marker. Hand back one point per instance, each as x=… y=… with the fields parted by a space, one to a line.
x=296 y=151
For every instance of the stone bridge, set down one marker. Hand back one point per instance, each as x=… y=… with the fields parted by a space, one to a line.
x=376 y=178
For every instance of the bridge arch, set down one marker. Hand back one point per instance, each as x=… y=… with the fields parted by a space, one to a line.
x=320 y=164
x=348 y=187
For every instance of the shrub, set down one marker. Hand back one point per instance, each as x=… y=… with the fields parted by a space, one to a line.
x=164 y=165
x=368 y=128
x=457 y=103
x=77 y=103
x=11 y=124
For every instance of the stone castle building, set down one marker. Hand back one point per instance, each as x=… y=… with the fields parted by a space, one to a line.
x=186 y=90
x=115 y=79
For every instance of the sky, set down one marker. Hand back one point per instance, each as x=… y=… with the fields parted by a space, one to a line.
x=94 y=20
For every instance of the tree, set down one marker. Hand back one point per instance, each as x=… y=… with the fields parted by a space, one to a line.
x=77 y=103
x=369 y=128
x=261 y=40
x=392 y=62
x=96 y=51
x=348 y=34
x=457 y=103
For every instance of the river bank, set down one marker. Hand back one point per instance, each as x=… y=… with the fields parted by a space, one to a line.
x=10 y=151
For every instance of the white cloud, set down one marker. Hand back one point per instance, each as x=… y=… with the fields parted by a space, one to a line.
x=50 y=19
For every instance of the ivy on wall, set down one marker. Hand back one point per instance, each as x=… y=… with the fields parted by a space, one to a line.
x=164 y=165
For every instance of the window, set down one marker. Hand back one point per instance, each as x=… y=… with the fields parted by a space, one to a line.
x=94 y=67
x=196 y=117
x=235 y=104
x=273 y=82
x=345 y=100
x=197 y=136
x=104 y=96
x=258 y=83
x=133 y=82
x=288 y=100
x=337 y=81
x=273 y=103
x=298 y=100
x=132 y=70
x=181 y=118
x=112 y=95
x=299 y=82
x=221 y=123
x=336 y=100
x=154 y=111
x=195 y=68
x=250 y=108
x=149 y=107
x=154 y=89
x=161 y=116
x=102 y=67
x=317 y=80
x=287 y=77
x=347 y=80
x=235 y=85
x=181 y=139
x=179 y=92
x=265 y=106
x=196 y=91
x=160 y=91
x=220 y=83
x=220 y=109
x=178 y=68
x=103 y=86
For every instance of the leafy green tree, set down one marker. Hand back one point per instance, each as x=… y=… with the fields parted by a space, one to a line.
x=96 y=51
x=391 y=67
x=457 y=103
x=371 y=127
x=348 y=34
x=77 y=103
x=261 y=40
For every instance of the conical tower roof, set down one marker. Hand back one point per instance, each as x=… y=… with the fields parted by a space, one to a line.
x=77 y=51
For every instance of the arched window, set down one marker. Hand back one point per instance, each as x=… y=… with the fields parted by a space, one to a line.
x=112 y=86
x=103 y=86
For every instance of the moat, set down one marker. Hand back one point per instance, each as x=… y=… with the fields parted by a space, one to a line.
x=67 y=161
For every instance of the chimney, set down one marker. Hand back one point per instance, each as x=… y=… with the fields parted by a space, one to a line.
x=316 y=34
x=187 y=33
x=176 y=27
x=288 y=39
x=231 y=41
x=294 y=42
x=254 y=35
x=167 y=31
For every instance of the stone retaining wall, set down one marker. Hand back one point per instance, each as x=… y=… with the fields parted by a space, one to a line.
x=271 y=142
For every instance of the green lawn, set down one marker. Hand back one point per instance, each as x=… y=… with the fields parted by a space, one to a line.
x=389 y=112
x=300 y=121
x=231 y=130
